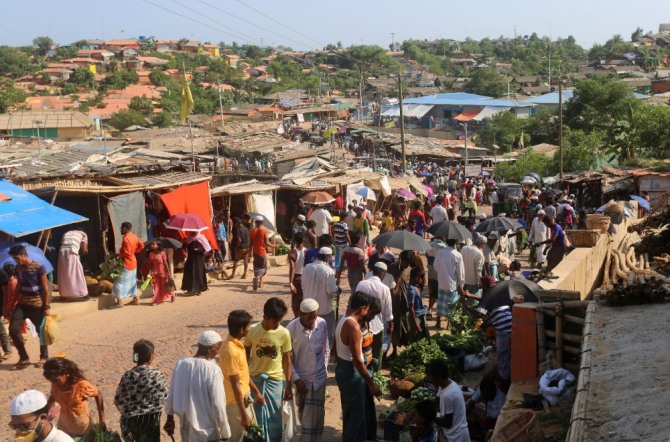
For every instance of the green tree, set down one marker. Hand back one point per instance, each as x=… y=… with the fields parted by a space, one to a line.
x=15 y=62
x=10 y=96
x=526 y=163
x=84 y=78
x=158 y=78
x=142 y=105
x=120 y=79
x=639 y=32
x=597 y=103
x=163 y=119
x=42 y=44
x=125 y=118
x=502 y=129
x=581 y=151
x=487 y=81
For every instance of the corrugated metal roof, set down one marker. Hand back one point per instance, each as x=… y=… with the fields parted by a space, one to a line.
x=409 y=110
x=163 y=179
x=47 y=119
x=251 y=186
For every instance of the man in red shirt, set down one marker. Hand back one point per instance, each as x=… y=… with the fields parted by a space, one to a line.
x=419 y=218
x=125 y=286
x=338 y=204
x=259 y=246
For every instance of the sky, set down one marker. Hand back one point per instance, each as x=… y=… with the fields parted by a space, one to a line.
x=309 y=25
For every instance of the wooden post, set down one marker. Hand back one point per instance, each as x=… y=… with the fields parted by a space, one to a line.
x=541 y=341
x=559 y=334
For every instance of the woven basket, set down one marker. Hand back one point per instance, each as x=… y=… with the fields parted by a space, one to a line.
x=598 y=222
x=583 y=238
x=524 y=427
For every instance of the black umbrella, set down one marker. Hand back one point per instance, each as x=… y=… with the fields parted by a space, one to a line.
x=497 y=224
x=266 y=222
x=449 y=230
x=403 y=240
x=502 y=293
x=167 y=243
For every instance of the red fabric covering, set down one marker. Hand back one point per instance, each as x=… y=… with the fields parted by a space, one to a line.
x=193 y=199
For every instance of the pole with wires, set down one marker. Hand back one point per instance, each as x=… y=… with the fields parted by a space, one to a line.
x=402 y=124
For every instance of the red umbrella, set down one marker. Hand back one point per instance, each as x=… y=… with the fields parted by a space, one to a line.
x=186 y=222
x=317 y=197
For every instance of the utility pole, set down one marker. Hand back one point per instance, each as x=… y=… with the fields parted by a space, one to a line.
x=560 y=128
x=104 y=141
x=465 y=125
x=392 y=41
x=360 y=98
x=39 y=141
x=402 y=124
x=549 y=56
x=220 y=106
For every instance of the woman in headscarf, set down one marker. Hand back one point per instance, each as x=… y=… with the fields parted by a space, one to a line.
x=195 y=277
x=140 y=397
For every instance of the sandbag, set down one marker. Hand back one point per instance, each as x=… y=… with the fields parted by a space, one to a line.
x=556 y=386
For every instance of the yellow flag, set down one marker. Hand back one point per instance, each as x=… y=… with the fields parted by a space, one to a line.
x=186 y=99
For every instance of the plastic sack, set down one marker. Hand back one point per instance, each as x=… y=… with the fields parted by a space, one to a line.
x=51 y=330
x=288 y=421
x=556 y=386
x=252 y=436
x=475 y=362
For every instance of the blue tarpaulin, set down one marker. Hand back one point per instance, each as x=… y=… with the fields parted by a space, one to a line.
x=22 y=213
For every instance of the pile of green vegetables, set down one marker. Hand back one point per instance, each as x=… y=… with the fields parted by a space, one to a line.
x=381 y=381
x=111 y=267
x=414 y=358
x=471 y=341
x=422 y=394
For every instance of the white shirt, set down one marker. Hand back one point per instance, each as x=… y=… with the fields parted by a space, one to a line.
x=310 y=353
x=388 y=281
x=374 y=287
x=438 y=213
x=299 y=261
x=494 y=197
x=538 y=231
x=449 y=267
x=452 y=402
x=322 y=218
x=473 y=263
x=318 y=283
x=196 y=393
x=435 y=246
x=55 y=435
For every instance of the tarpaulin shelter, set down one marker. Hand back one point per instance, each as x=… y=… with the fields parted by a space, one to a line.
x=193 y=199
x=22 y=213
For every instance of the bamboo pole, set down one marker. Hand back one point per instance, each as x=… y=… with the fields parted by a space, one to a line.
x=577 y=339
x=574 y=319
x=541 y=339
x=559 y=333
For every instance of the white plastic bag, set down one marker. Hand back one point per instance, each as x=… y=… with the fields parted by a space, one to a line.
x=288 y=421
x=475 y=362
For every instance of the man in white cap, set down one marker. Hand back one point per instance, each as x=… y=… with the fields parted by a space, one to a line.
x=299 y=224
x=259 y=245
x=29 y=419
x=539 y=233
x=197 y=394
x=309 y=368
x=383 y=322
x=473 y=264
x=319 y=283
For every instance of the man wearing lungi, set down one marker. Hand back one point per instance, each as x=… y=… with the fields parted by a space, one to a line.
x=125 y=286
x=309 y=367
x=259 y=246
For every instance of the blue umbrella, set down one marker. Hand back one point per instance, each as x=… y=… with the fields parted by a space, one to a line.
x=34 y=253
x=642 y=202
x=367 y=193
x=425 y=173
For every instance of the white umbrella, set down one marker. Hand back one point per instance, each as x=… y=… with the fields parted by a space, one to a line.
x=367 y=193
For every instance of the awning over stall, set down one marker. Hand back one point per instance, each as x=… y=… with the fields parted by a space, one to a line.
x=22 y=213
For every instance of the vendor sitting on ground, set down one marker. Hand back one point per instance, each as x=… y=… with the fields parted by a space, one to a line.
x=484 y=407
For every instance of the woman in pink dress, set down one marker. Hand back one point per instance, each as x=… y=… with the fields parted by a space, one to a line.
x=158 y=268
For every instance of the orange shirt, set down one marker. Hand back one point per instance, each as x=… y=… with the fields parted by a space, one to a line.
x=130 y=245
x=259 y=237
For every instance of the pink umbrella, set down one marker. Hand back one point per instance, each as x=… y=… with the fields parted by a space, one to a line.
x=186 y=222
x=429 y=190
x=406 y=194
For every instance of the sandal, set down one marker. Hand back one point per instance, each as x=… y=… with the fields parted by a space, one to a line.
x=20 y=365
x=135 y=301
x=41 y=363
x=6 y=356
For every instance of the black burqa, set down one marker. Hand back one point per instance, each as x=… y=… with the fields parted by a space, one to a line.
x=195 y=277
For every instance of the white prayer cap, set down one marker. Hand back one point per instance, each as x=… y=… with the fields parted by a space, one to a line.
x=482 y=216
x=28 y=402
x=309 y=305
x=300 y=217
x=541 y=212
x=259 y=218
x=381 y=265
x=325 y=251
x=209 y=338
x=538 y=207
